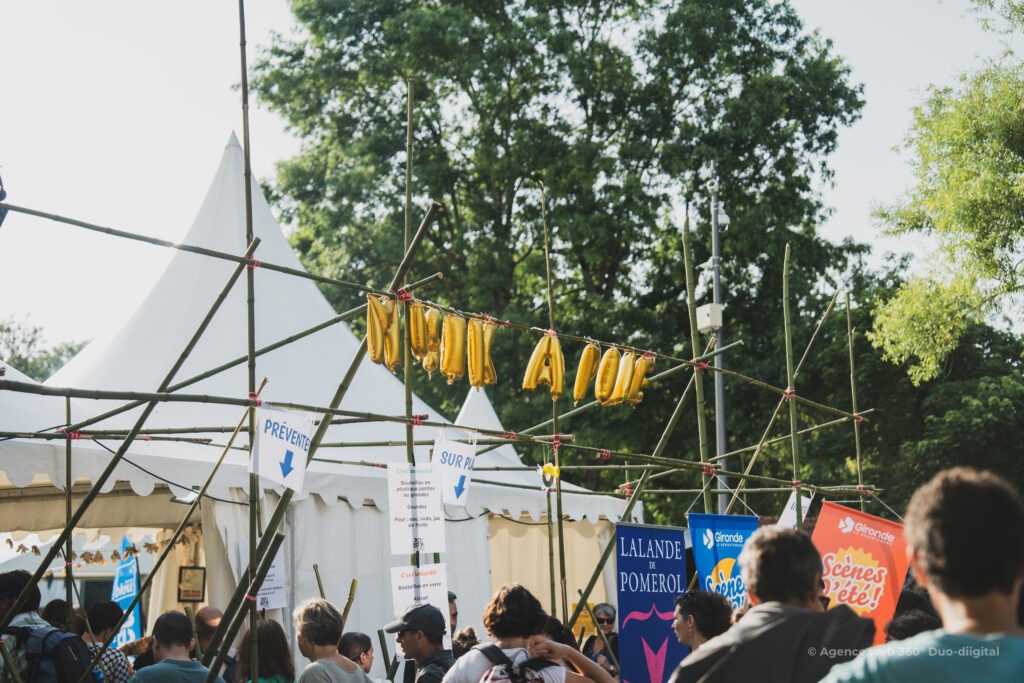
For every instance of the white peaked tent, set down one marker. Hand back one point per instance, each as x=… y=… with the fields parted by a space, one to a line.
x=348 y=540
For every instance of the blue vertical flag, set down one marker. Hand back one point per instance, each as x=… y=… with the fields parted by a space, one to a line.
x=651 y=573
x=717 y=542
x=126 y=587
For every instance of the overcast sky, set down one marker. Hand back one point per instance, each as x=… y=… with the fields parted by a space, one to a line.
x=117 y=113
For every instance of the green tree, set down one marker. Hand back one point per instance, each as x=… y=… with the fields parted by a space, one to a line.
x=968 y=157
x=21 y=345
x=617 y=108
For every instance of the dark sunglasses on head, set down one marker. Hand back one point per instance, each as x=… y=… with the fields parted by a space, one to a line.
x=608 y=620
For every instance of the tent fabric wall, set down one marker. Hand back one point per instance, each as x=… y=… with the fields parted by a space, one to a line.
x=519 y=553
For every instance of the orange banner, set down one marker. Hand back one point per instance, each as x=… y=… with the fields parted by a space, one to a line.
x=864 y=562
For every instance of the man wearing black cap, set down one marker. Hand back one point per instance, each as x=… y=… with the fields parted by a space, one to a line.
x=420 y=632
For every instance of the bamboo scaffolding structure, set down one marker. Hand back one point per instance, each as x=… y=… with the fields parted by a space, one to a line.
x=702 y=430
x=286 y=496
x=253 y=588
x=9 y=664
x=390 y=661
x=119 y=455
x=853 y=398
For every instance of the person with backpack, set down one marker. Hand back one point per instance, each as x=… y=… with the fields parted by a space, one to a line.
x=11 y=585
x=420 y=632
x=520 y=654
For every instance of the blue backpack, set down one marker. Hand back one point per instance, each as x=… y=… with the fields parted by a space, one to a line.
x=53 y=655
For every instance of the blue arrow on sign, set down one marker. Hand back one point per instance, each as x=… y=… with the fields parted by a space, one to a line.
x=286 y=464
x=461 y=486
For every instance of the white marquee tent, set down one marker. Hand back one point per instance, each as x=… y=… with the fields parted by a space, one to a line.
x=339 y=521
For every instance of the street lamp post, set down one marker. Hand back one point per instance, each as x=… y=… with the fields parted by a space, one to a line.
x=719 y=223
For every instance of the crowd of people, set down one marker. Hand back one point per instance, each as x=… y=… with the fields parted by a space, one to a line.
x=958 y=618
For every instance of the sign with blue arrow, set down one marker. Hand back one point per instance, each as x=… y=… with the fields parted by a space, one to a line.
x=453 y=461
x=282 y=447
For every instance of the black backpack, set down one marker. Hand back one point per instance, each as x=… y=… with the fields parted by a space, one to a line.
x=505 y=671
x=53 y=655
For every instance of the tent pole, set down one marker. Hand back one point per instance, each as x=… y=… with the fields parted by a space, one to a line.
x=116 y=459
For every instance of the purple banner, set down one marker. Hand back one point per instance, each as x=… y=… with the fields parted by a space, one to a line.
x=651 y=573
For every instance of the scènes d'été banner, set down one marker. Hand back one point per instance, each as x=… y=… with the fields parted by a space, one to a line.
x=651 y=573
x=717 y=542
x=864 y=562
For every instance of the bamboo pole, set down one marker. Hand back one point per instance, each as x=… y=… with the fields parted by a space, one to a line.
x=319 y=582
x=286 y=496
x=853 y=400
x=203 y=251
x=250 y=307
x=119 y=455
x=794 y=425
x=702 y=430
x=555 y=450
x=252 y=590
x=348 y=603
x=68 y=484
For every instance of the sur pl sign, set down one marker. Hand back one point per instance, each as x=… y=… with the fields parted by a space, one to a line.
x=453 y=462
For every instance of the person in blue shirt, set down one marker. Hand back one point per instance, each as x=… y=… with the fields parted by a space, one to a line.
x=965 y=539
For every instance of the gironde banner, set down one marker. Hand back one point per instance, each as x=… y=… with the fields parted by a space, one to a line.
x=651 y=573
x=864 y=562
x=717 y=542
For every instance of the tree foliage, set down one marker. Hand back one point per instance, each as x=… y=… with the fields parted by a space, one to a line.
x=21 y=345
x=968 y=158
x=617 y=108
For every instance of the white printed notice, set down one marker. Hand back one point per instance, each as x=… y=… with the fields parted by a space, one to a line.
x=454 y=463
x=788 y=517
x=414 y=506
x=282 y=447
x=417 y=585
x=271 y=594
